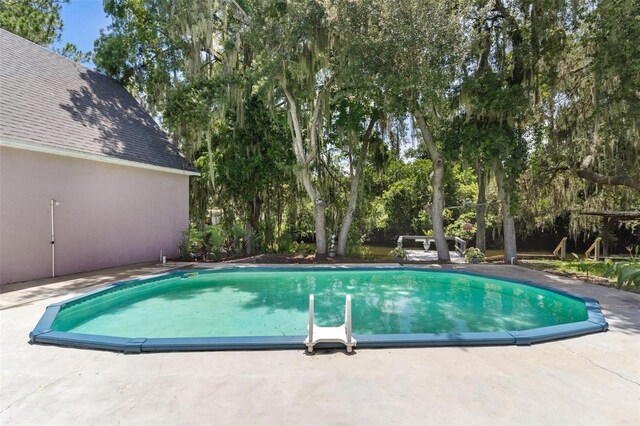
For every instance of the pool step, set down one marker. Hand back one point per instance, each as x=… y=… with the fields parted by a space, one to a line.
x=340 y=334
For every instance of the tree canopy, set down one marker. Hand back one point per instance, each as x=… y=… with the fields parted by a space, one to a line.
x=39 y=21
x=369 y=118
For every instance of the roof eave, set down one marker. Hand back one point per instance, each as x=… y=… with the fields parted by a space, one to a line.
x=66 y=152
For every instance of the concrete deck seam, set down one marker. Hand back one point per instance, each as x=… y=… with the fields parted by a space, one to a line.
x=600 y=366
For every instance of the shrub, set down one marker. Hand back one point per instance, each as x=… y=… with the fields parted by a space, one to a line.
x=473 y=253
x=583 y=264
x=212 y=239
x=627 y=273
x=398 y=253
x=301 y=248
x=356 y=245
x=184 y=246
x=285 y=242
x=203 y=245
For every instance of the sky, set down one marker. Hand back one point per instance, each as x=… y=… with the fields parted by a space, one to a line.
x=82 y=21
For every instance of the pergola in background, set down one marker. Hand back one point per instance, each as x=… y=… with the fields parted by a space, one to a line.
x=610 y=218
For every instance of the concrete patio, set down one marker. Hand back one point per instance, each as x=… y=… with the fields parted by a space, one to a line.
x=592 y=379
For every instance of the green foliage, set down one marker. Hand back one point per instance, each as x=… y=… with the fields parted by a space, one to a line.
x=427 y=233
x=398 y=253
x=40 y=22
x=290 y=41
x=297 y=247
x=143 y=47
x=189 y=106
x=356 y=245
x=212 y=242
x=35 y=20
x=253 y=158
x=626 y=273
x=407 y=195
x=456 y=228
x=415 y=64
x=584 y=265
x=567 y=267
x=613 y=45
x=461 y=186
x=495 y=103
x=532 y=87
x=72 y=52
x=473 y=253
x=253 y=167
x=209 y=244
x=591 y=112
x=285 y=243
x=184 y=246
x=234 y=242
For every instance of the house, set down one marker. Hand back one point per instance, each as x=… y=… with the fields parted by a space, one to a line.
x=81 y=159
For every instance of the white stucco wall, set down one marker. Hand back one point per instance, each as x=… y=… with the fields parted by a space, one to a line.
x=109 y=215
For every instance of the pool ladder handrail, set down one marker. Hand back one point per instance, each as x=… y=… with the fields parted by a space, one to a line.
x=341 y=334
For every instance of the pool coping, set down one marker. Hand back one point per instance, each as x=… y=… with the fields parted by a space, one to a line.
x=43 y=334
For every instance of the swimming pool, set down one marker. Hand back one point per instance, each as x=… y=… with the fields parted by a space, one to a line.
x=267 y=308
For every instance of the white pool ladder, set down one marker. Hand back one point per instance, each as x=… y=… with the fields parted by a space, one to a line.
x=340 y=334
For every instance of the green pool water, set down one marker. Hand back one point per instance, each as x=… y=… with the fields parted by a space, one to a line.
x=275 y=303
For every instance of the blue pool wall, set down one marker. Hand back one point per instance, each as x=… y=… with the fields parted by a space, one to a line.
x=43 y=333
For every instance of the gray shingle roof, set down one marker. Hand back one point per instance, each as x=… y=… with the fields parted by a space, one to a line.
x=51 y=101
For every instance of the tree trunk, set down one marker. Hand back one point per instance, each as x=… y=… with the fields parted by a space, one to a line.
x=508 y=224
x=608 y=222
x=248 y=239
x=353 y=194
x=481 y=209
x=279 y=214
x=348 y=217
x=252 y=226
x=268 y=224
x=319 y=207
x=303 y=161
x=321 y=229
x=437 y=184
x=212 y=169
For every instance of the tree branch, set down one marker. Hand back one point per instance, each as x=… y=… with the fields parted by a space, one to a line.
x=585 y=172
x=313 y=135
x=365 y=145
x=426 y=135
x=298 y=148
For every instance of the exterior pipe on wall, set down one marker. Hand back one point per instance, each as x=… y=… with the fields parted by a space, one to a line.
x=53 y=238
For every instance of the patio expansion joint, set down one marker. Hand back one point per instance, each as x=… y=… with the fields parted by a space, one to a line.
x=600 y=366
x=10 y=405
x=29 y=395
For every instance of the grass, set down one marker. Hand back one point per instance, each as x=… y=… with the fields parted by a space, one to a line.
x=577 y=269
x=594 y=269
